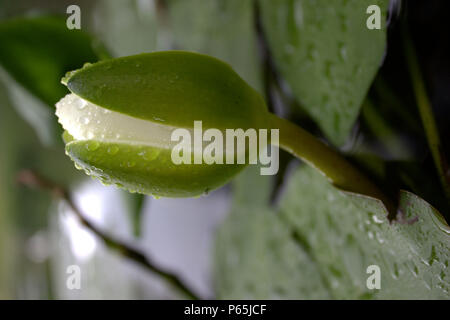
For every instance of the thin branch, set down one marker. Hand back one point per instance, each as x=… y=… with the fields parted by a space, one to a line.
x=33 y=180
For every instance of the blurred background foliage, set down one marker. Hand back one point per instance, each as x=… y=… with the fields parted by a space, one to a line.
x=288 y=236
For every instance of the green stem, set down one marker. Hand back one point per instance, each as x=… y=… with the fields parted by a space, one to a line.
x=339 y=171
x=426 y=112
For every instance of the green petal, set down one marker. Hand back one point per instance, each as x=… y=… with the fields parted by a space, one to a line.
x=147 y=170
x=172 y=87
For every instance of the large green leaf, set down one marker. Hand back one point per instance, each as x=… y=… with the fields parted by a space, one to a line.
x=34 y=54
x=37 y=52
x=338 y=236
x=327 y=55
x=256 y=257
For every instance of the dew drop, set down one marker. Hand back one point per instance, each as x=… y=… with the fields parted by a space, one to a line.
x=81 y=104
x=92 y=145
x=376 y=219
x=113 y=150
x=149 y=155
x=379 y=238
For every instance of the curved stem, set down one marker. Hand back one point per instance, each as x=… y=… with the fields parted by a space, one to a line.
x=339 y=171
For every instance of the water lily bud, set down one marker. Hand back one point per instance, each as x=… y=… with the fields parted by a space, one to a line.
x=121 y=114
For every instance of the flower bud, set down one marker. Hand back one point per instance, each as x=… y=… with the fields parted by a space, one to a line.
x=121 y=114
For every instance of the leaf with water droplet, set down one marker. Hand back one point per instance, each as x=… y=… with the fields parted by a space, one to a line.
x=326 y=41
x=335 y=234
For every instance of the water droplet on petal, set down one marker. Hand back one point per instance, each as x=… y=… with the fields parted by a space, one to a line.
x=113 y=150
x=81 y=104
x=92 y=145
